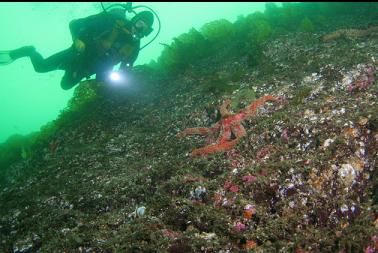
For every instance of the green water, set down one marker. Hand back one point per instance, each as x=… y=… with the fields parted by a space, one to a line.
x=28 y=100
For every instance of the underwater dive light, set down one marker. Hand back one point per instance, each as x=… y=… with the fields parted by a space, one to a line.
x=115 y=76
x=119 y=76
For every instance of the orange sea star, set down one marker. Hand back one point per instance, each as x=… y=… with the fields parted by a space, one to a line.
x=229 y=124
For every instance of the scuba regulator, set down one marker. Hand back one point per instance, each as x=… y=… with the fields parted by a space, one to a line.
x=130 y=9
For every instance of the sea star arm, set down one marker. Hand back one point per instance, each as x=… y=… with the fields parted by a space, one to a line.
x=252 y=108
x=214 y=148
x=239 y=130
x=224 y=142
x=199 y=131
x=225 y=134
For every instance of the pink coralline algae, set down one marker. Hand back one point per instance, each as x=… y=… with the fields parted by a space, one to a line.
x=228 y=185
x=240 y=227
x=263 y=153
x=285 y=135
x=374 y=247
x=363 y=81
x=234 y=188
x=248 y=179
x=171 y=234
x=236 y=159
x=369 y=249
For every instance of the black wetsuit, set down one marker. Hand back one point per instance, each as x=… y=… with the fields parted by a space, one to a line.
x=95 y=31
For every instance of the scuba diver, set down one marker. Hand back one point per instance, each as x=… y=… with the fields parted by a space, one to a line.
x=100 y=42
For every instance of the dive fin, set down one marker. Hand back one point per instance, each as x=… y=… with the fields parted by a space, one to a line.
x=5 y=58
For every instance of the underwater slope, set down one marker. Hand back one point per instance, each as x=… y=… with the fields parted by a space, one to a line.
x=301 y=180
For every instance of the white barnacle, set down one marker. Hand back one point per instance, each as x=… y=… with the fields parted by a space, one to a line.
x=328 y=142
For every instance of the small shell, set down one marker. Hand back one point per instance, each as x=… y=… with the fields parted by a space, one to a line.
x=140 y=211
x=328 y=142
x=363 y=121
